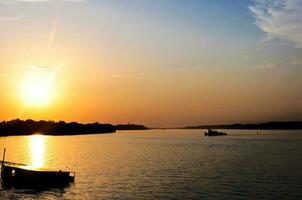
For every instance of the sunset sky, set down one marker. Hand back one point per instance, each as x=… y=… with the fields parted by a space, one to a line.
x=153 y=62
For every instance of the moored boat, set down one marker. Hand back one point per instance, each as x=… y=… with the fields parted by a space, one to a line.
x=16 y=174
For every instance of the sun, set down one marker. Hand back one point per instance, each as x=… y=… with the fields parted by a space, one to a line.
x=37 y=89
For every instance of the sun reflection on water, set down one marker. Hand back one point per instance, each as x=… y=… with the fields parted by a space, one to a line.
x=37 y=146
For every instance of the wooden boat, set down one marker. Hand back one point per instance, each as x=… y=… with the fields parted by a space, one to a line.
x=214 y=133
x=16 y=174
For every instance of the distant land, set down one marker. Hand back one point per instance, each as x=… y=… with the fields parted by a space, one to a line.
x=282 y=125
x=130 y=127
x=29 y=127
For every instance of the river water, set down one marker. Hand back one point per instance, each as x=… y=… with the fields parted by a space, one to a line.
x=165 y=164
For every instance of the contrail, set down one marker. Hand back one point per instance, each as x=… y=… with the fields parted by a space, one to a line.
x=52 y=35
x=14 y=18
x=53 y=31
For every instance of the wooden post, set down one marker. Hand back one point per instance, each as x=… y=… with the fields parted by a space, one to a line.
x=4 y=154
x=3 y=159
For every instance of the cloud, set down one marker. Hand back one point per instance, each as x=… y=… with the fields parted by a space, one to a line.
x=296 y=62
x=39 y=68
x=14 y=18
x=280 y=19
x=127 y=75
x=38 y=1
x=264 y=66
x=48 y=0
x=33 y=0
x=3 y=75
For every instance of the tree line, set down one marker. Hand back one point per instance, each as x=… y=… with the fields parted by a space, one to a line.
x=28 y=127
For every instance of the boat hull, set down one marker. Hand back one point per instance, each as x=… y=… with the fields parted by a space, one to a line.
x=16 y=176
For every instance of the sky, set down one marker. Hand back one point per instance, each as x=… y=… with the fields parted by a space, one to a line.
x=162 y=63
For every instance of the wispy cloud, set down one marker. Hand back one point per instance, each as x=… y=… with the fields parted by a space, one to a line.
x=33 y=0
x=49 y=0
x=127 y=75
x=296 y=62
x=39 y=68
x=3 y=75
x=264 y=66
x=280 y=19
x=275 y=65
x=38 y=1
x=13 y=18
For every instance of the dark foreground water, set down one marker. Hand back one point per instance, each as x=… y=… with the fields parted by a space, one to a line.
x=165 y=164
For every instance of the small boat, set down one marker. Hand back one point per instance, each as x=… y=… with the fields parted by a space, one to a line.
x=16 y=174
x=211 y=132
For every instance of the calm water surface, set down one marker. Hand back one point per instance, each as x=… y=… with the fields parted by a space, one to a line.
x=165 y=164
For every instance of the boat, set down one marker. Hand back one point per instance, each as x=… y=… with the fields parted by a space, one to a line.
x=211 y=132
x=17 y=174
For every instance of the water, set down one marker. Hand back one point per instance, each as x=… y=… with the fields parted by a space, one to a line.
x=165 y=164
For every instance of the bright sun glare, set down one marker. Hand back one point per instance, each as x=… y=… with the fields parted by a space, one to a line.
x=37 y=145
x=37 y=89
